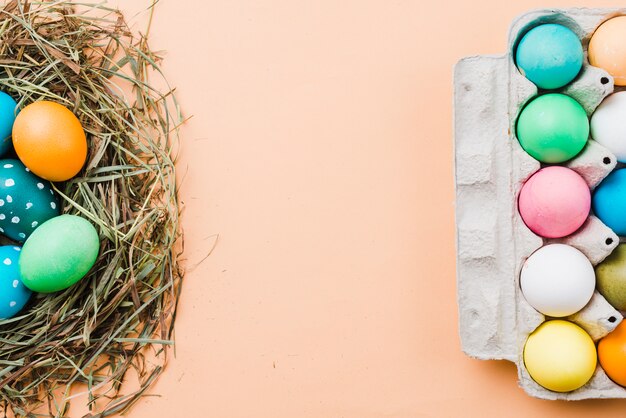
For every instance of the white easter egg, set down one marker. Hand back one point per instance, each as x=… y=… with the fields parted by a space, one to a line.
x=608 y=124
x=557 y=280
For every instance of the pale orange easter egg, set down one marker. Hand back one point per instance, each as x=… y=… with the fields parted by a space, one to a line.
x=607 y=48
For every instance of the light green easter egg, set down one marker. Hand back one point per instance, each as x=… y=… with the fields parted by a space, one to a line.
x=58 y=254
x=553 y=128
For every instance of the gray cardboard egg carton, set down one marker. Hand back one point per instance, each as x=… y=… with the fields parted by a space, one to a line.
x=490 y=168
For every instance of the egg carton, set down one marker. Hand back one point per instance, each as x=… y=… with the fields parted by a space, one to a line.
x=490 y=168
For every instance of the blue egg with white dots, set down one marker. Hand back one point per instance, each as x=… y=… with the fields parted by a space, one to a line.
x=549 y=55
x=609 y=201
x=13 y=294
x=26 y=201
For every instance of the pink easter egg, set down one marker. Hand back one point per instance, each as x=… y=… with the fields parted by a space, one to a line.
x=554 y=202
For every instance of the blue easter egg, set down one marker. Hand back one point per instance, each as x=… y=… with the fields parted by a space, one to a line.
x=7 y=117
x=609 y=201
x=13 y=293
x=550 y=56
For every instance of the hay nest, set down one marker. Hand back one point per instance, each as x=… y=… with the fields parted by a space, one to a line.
x=80 y=344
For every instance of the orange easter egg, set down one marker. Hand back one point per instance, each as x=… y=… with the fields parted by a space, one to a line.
x=612 y=354
x=607 y=48
x=50 y=140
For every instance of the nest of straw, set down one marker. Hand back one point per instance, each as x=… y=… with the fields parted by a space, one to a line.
x=103 y=341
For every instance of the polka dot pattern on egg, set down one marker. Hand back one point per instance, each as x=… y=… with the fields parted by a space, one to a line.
x=13 y=294
x=26 y=201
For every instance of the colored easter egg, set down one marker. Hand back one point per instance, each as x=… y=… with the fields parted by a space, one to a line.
x=609 y=201
x=549 y=55
x=607 y=49
x=554 y=202
x=59 y=253
x=608 y=124
x=26 y=201
x=13 y=293
x=50 y=140
x=560 y=356
x=611 y=278
x=7 y=117
x=553 y=128
x=557 y=280
x=612 y=354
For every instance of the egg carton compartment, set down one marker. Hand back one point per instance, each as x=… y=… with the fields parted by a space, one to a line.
x=490 y=168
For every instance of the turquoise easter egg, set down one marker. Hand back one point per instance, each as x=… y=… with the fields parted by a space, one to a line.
x=59 y=253
x=549 y=55
x=7 y=117
x=13 y=293
x=26 y=201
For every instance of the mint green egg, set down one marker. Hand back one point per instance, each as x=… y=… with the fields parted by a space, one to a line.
x=553 y=128
x=58 y=254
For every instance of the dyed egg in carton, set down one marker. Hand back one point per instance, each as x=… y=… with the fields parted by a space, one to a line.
x=493 y=242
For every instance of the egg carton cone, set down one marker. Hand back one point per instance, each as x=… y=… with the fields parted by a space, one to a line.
x=490 y=168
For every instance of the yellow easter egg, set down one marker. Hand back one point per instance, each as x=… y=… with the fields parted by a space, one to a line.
x=560 y=356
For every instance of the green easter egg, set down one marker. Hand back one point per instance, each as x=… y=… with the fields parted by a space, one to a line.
x=58 y=254
x=553 y=128
x=611 y=278
x=26 y=201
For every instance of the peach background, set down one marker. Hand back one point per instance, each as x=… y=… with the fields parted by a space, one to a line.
x=320 y=151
